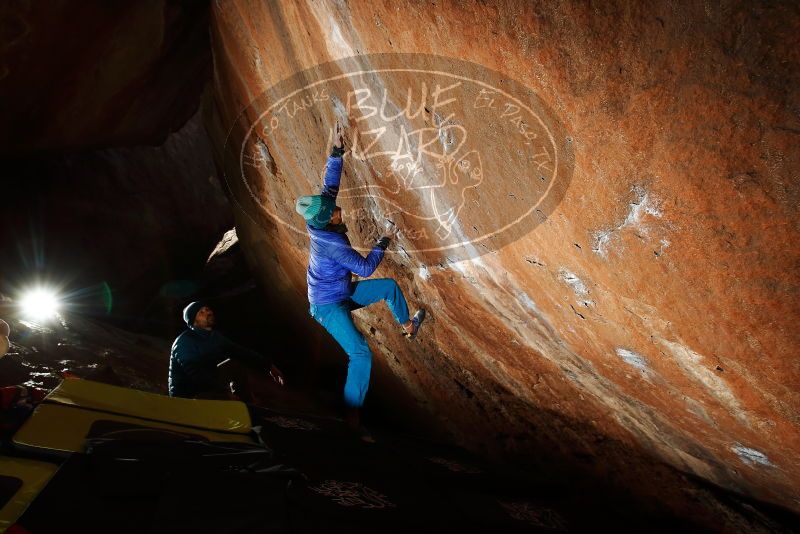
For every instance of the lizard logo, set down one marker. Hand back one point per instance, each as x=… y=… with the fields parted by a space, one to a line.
x=437 y=172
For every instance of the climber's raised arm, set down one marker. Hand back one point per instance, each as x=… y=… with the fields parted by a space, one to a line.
x=333 y=168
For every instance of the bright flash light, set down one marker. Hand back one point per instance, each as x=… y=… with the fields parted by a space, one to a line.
x=40 y=304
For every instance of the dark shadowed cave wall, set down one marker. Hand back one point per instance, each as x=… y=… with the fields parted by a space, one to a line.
x=109 y=188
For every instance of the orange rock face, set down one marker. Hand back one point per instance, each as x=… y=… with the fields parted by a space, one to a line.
x=598 y=207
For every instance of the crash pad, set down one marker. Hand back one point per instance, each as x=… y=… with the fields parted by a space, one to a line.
x=63 y=429
x=21 y=481
x=225 y=416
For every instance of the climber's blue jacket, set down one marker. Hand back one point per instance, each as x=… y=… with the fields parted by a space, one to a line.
x=195 y=356
x=332 y=259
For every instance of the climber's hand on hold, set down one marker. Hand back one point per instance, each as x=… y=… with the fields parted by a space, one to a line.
x=338 y=135
x=390 y=229
x=338 y=141
x=383 y=242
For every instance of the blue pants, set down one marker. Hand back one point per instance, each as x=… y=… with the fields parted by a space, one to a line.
x=336 y=319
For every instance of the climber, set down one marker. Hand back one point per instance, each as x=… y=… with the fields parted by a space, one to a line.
x=332 y=294
x=199 y=351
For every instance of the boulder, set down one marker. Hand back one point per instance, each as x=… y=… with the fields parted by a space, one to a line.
x=602 y=223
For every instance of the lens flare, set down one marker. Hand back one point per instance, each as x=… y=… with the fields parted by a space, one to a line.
x=40 y=304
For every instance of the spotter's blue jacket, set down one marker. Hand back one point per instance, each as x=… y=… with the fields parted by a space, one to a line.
x=195 y=356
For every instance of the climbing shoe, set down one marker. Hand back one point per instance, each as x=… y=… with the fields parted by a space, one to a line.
x=416 y=321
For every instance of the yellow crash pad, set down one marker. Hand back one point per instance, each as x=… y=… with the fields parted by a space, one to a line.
x=225 y=416
x=63 y=429
x=33 y=475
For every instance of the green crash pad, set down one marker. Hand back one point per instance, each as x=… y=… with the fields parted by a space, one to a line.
x=222 y=416
x=63 y=429
x=21 y=481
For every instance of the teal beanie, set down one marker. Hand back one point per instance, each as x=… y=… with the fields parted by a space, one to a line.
x=317 y=210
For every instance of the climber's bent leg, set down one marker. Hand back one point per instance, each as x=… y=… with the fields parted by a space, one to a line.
x=370 y=291
x=337 y=321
